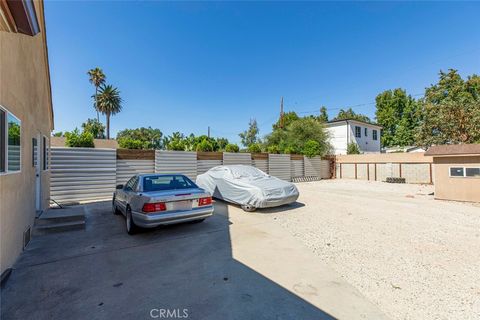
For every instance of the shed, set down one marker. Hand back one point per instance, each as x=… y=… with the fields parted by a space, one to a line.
x=457 y=171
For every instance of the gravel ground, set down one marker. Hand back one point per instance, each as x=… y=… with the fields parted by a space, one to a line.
x=413 y=256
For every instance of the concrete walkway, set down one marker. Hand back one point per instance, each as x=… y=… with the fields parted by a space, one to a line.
x=235 y=265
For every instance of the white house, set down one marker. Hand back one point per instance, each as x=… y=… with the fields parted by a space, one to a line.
x=365 y=135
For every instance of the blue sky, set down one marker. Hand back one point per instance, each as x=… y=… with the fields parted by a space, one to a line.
x=186 y=66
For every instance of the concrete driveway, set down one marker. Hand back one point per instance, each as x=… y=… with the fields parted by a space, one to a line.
x=235 y=265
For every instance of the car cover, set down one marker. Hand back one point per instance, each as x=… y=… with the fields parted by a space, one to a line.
x=247 y=185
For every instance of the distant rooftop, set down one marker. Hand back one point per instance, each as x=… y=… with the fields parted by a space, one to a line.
x=353 y=120
x=454 y=149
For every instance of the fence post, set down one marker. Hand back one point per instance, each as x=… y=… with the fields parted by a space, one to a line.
x=355 y=171
x=400 y=168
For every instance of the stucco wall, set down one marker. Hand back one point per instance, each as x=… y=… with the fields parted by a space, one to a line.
x=99 y=143
x=25 y=93
x=456 y=188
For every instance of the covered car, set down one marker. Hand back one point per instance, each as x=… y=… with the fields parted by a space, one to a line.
x=247 y=186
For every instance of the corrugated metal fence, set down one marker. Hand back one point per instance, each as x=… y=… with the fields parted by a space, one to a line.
x=176 y=162
x=82 y=174
x=279 y=166
x=85 y=174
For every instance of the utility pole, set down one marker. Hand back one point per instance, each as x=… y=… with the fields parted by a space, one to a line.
x=281 y=114
x=208 y=131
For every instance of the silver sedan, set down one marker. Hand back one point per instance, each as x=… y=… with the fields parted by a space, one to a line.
x=150 y=200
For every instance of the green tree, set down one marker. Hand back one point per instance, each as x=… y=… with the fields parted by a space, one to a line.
x=232 y=148
x=95 y=127
x=109 y=103
x=288 y=118
x=77 y=139
x=140 y=138
x=352 y=148
x=205 y=146
x=312 y=148
x=221 y=143
x=178 y=145
x=397 y=113
x=294 y=137
x=57 y=134
x=349 y=114
x=323 y=117
x=250 y=136
x=97 y=78
x=254 y=148
x=450 y=111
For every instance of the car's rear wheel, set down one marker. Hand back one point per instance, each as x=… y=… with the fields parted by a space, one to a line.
x=248 y=208
x=132 y=228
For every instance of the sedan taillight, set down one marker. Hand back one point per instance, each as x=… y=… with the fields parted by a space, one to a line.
x=154 y=207
x=205 y=201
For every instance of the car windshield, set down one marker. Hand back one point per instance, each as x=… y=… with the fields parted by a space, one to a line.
x=167 y=182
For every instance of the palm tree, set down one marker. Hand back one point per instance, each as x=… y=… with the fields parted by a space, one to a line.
x=97 y=78
x=109 y=103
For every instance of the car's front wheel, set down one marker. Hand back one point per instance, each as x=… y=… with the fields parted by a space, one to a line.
x=132 y=228
x=114 y=207
x=248 y=208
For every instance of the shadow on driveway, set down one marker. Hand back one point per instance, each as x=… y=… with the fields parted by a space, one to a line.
x=103 y=273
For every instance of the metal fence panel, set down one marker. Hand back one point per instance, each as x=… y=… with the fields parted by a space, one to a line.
x=237 y=158
x=279 y=166
x=204 y=165
x=128 y=168
x=312 y=166
x=82 y=174
x=325 y=170
x=261 y=164
x=176 y=162
x=297 y=168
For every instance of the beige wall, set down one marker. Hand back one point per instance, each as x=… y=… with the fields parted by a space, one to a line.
x=457 y=188
x=414 y=167
x=416 y=157
x=24 y=92
x=99 y=143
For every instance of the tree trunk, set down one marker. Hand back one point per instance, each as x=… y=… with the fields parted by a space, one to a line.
x=108 y=125
x=96 y=103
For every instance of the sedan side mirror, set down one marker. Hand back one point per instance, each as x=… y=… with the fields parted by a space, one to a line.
x=119 y=186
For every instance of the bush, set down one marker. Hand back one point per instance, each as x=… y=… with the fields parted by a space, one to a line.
x=129 y=143
x=254 y=148
x=232 y=148
x=289 y=150
x=176 y=145
x=205 y=146
x=77 y=139
x=311 y=149
x=273 y=149
x=352 y=148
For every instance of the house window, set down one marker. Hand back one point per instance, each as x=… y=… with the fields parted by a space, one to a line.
x=465 y=172
x=358 y=132
x=457 y=172
x=366 y=132
x=472 y=172
x=34 y=152
x=374 y=135
x=3 y=115
x=14 y=136
x=45 y=150
x=10 y=142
